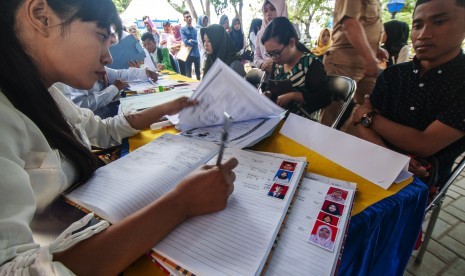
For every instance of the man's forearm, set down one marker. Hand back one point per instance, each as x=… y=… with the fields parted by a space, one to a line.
x=357 y=38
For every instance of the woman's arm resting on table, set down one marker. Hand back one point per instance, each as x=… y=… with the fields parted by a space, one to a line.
x=111 y=251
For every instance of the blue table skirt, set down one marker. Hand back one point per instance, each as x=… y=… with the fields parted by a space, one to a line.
x=380 y=239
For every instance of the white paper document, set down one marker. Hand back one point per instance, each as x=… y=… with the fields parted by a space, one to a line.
x=241 y=134
x=377 y=164
x=140 y=85
x=142 y=102
x=224 y=90
x=126 y=185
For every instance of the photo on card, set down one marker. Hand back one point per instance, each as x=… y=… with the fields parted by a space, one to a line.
x=323 y=235
x=332 y=208
x=288 y=166
x=337 y=195
x=283 y=176
x=327 y=218
x=278 y=191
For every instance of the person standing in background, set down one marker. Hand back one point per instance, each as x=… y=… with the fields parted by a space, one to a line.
x=355 y=51
x=189 y=37
x=271 y=9
x=202 y=23
x=323 y=44
x=176 y=41
x=165 y=35
x=395 y=38
x=237 y=35
x=253 y=31
x=224 y=21
x=151 y=28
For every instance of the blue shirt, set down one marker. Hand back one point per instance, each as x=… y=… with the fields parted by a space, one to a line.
x=190 y=33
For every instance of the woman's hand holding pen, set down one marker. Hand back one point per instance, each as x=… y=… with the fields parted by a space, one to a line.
x=151 y=75
x=206 y=189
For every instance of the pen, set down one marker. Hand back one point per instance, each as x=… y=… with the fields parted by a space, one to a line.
x=224 y=136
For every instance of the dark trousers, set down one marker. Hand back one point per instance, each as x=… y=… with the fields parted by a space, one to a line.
x=196 y=61
x=182 y=67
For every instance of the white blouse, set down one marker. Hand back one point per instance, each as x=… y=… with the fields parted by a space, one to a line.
x=34 y=175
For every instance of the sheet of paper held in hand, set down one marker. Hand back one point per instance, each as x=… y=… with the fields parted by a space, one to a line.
x=377 y=164
x=222 y=90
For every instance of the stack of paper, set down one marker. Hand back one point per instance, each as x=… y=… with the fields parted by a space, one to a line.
x=223 y=90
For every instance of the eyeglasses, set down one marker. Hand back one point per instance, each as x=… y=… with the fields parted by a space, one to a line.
x=275 y=54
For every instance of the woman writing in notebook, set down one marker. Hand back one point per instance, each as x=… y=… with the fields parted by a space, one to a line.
x=46 y=140
x=301 y=82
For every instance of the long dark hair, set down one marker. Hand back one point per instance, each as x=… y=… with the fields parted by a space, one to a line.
x=21 y=83
x=255 y=26
x=282 y=30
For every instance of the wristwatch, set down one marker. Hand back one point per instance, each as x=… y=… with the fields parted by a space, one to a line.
x=367 y=118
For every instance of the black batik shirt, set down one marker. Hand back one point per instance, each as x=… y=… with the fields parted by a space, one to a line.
x=403 y=96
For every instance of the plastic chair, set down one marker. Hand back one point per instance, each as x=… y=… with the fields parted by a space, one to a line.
x=435 y=205
x=343 y=89
x=255 y=77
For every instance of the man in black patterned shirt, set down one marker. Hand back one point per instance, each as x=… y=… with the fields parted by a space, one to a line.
x=418 y=108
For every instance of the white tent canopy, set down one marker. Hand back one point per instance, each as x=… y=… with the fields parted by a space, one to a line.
x=155 y=9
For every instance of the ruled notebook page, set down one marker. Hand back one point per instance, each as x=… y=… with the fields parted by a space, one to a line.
x=134 y=181
x=237 y=240
x=293 y=255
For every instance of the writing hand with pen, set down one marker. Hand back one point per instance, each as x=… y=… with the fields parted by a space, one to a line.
x=151 y=75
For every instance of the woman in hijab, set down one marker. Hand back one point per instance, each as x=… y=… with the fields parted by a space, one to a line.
x=218 y=44
x=201 y=23
x=323 y=44
x=237 y=35
x=176 y=40
x=271 y=9
x=253 y=31
x=323 y=236
x=395 y=41
x=224 y=21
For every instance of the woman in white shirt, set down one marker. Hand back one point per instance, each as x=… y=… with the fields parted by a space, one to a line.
x=46 y=139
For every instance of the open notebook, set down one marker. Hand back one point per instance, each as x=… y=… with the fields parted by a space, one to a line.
x=234 y=241
x=297 y=250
